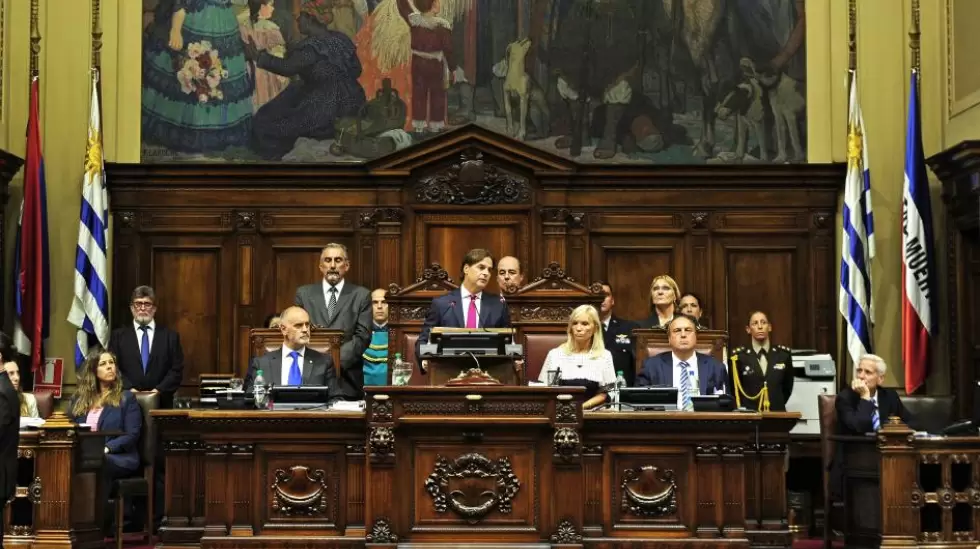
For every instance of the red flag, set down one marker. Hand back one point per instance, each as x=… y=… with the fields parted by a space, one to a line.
x=31 y=256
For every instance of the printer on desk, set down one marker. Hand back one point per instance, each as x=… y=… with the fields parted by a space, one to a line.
x=814 y=374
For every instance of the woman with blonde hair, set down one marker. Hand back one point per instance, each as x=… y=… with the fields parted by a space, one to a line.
x=582 y=361
x=664 y=294
x=8 y=357
x=101 y=403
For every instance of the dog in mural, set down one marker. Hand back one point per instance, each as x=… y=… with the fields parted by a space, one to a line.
x=744 y=105
x=787 y=103
x=520 y=88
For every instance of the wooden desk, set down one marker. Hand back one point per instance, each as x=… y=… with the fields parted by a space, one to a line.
x=59 y=501
x=906 y=491
x=454 y=465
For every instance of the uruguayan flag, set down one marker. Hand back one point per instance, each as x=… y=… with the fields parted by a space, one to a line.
x=858 y=239
x=90 y=307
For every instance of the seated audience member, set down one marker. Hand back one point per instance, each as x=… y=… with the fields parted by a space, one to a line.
x=510 y=275
x=663 y=297
x=866 y=405
x=692 y=306
x=272 y=321
x=691 y=372
x=8 y=356
x=9 y=437
x=617 y=335
x=582 y=361
x=468 y=306
x=376 y=355
x=101 y=403
x=764 y=371
x=294 y=363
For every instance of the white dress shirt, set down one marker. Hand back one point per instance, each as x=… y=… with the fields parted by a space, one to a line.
x=599 y=368
x=287 y=363
x=326 y=290
x=465 y=294
x=692 y=373
x=152 y=328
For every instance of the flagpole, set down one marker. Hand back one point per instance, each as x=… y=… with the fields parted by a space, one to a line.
x=96 y=34
x=35 y=40
x=914 y=36
x=842 y=350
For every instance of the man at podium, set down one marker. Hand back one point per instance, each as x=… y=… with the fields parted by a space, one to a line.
x=469 y=306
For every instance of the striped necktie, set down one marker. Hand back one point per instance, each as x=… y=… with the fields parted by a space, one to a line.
x=686 y=403
x=875 y=419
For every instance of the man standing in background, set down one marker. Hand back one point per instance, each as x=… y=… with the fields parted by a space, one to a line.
x=376 y=355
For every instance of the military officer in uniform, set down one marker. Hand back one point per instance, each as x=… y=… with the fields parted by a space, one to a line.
x=762 y=373
x=617 y=335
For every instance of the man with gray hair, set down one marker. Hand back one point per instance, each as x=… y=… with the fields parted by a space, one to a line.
x=335 y=304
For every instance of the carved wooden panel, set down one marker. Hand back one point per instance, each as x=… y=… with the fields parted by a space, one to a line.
x=301 y=489
x=767 y=276
x=193 y=310
x=650 y=487
x=445 y=238
x=630 y=262
x=295 y=260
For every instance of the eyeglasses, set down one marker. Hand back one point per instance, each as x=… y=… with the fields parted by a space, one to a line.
x=142 y=305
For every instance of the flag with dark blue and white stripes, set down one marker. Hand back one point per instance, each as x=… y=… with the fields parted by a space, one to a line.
x=90 y=306
x=858 y=238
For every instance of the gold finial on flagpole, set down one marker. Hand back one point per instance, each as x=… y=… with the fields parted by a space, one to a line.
x=914 y=35
x=851 y=35
x=35 y=39
x=96 y=34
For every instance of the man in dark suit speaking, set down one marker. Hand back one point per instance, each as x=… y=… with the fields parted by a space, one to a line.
x=294 y=363
x=469 y=306
x=691 y=372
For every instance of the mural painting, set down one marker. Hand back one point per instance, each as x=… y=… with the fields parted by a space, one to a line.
x=616 y=81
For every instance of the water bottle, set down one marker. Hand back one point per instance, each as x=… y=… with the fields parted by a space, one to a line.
x=259 y=391
x=614 y=393
x=401 y=371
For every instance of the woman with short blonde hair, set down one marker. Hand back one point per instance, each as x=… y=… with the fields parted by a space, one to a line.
x=664 y=295
x=583 y=360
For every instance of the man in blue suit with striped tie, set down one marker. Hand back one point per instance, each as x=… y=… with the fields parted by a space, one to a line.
x=294 y=363
x=691 y=372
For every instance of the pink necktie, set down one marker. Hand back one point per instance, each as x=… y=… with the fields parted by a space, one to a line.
x=471 y=314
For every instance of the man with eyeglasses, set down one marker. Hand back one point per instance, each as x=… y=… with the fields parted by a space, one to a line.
x=149 y=356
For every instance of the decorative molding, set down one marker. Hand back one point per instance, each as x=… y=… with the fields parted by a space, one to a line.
x=300 y=491
x=662 y=502
x=355 y=448
x=572 y=220
x=381 y=441
x=370 y=219
x=699 y=220
x=408 y=312
x=822 y=220
x=473 y=182
x=566 y=442
x=557 y=313
x=565 y=413
x=25 y=453
x=34 y=490
x=433 y=277
x=566 y=533
x=470 y=466
x=245 y=220
x=126 y=219
x=381 y=532
x=433 y=408
x=381 y=410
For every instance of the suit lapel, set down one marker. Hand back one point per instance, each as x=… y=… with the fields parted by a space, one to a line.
x=457 y=297
x=133 y=349
x=310 y=362
x=319 y=302
x=485 y=310
x=275 y=368
x=666 y=371
x=159 y=338
x=704 y=372
x=342 y=299
x=105 y=412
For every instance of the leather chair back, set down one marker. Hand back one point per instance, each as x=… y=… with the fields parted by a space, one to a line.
x=652 y=342
x=323 y=341
x=828 y=427
x=148 y=435
x=931 y=413
x=536 y=347
x=408 y=353
x=45 y=403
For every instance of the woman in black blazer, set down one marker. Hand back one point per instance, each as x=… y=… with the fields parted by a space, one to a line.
x=101 y=403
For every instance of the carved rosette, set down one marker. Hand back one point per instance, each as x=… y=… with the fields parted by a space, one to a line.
x=473 y=182
x=565 y=413
x=25 y=453
x=638 y=500
x=126 y=219
x=566 y=534
x=34 y=490
x=472 y=466
x=370 y=219
x=573 y=220
x=917 y=498
x=381 y=410
x=382 y=442
x=245 y=220
x=300 y=491
x=699 y=220
x=381 y=532
x=567 y=442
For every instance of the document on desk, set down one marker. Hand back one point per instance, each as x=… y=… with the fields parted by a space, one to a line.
x=29 y=422
x=348 y=406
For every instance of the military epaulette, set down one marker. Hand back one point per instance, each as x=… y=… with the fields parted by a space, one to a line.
x=738 y=350
x=784 y=348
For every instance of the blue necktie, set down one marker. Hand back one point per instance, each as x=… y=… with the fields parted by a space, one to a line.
x=875 y=419
x=295 y=377
x=145 y=347
x=686 y=403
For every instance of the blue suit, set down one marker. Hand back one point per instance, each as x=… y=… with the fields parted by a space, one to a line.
x=448 y=311
x=124 y=452
x=659 y=371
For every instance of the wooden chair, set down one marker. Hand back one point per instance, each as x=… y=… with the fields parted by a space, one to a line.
x=828 y=449
x=652 y=342
x=45 y=403
x=140 y=486
x=264 y=340
x=536 y=348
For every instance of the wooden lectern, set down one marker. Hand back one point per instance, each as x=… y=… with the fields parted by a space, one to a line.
x=473 y=368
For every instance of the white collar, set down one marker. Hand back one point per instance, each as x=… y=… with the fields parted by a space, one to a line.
x=691 y=362
x=286 y=350
x=152 y=325
x=756 y=346
x=327 y=286
x=465 y=294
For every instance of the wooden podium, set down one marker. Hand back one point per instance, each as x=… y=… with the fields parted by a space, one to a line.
x=479 y=370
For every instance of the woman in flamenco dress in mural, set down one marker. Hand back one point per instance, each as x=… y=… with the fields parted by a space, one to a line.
x=197 y=93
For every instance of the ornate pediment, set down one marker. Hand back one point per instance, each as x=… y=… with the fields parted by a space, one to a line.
x=473 y=181
x=433 y=279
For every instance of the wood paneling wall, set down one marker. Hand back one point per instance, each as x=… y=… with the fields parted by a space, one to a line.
x=226 y=244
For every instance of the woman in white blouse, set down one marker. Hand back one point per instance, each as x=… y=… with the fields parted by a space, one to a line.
x=582 y=361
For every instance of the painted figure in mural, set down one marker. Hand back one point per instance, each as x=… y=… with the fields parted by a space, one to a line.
x=326 y=90
x=197 y=94
x=256 y=25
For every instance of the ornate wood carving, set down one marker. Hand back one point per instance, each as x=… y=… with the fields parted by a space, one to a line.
x=566 y=533
x=649 y=491
x=567 y=443
x=380 y=410
x=445 y=496
x=575 y=220
x=381 y=532
x=471 y=181
x=300 y=491
x=370 y=219
x=473 y=376
x=382 y=442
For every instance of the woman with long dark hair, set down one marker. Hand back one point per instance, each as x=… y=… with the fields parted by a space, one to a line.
x=8 y=358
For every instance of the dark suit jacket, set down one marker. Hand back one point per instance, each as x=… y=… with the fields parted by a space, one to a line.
x=318 y=369
x=166 y=368
x=778 y=377
x=9 y=437
x=447 y=311
x=658 y=371
x=618 y=339
x=124 y=451
x=854 y=418
x=353 y=316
